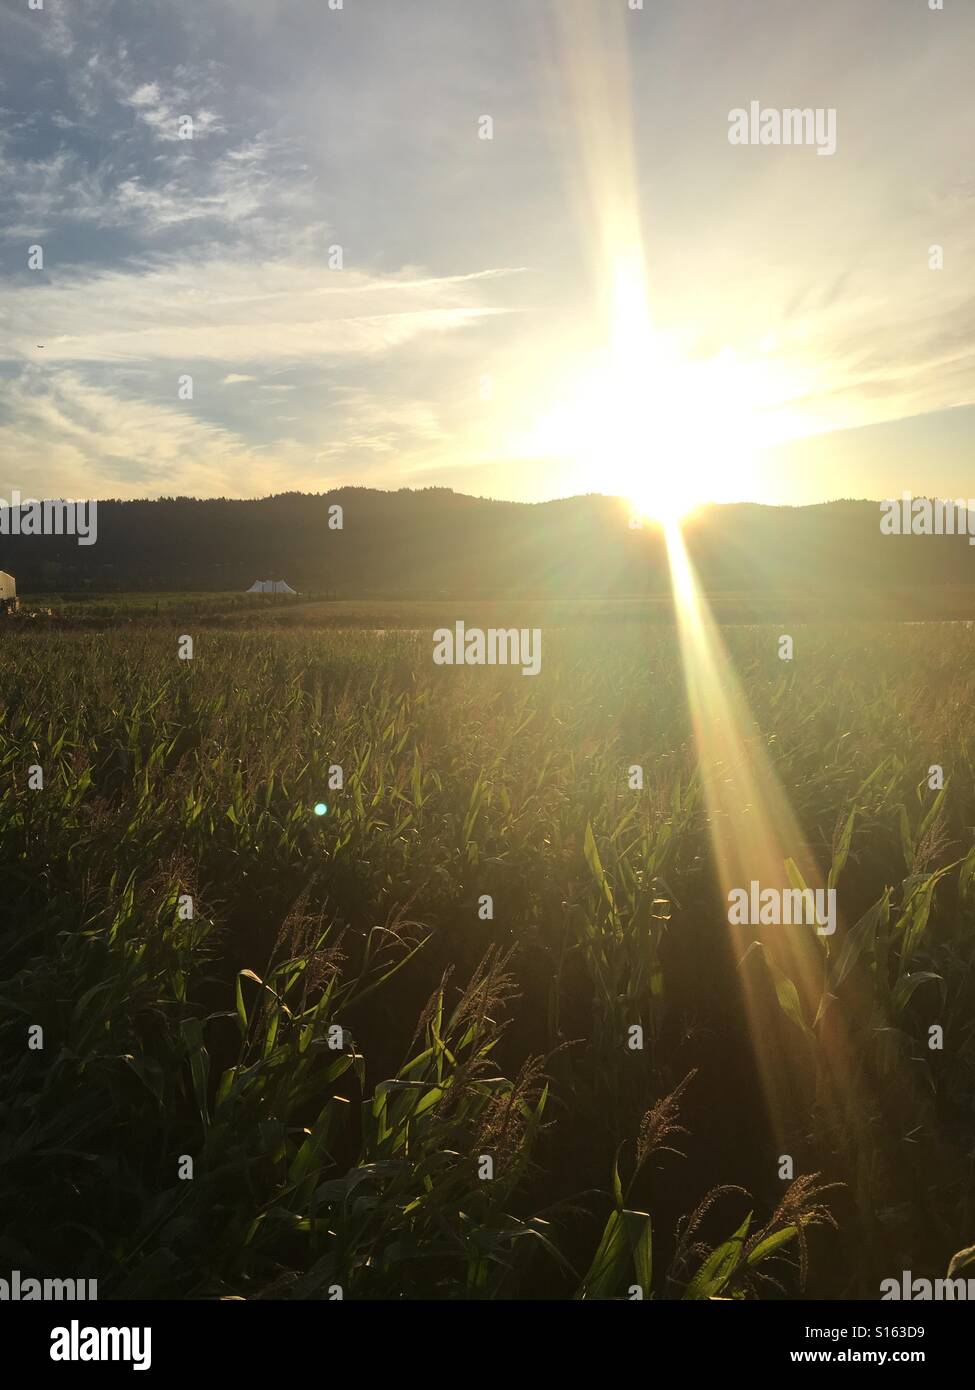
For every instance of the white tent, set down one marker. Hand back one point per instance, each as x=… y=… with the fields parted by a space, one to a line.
x=271 y=586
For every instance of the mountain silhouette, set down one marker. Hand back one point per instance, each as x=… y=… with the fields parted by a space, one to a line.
x=434 y=543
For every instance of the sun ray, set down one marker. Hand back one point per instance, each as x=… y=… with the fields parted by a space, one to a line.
x=671 y=432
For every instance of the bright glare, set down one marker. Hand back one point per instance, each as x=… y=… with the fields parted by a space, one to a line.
x=666 y=431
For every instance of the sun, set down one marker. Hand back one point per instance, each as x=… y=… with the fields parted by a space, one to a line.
x=666 y=435
x=643 y=420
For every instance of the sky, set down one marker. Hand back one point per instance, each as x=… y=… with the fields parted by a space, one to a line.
x=606 y=295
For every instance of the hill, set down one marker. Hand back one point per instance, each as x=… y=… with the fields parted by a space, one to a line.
x=436 y=543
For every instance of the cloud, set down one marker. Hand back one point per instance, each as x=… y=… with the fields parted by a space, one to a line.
x=99 y=408
x=166 y=114
x=247 y=188
x=146 y=95
x=63 y=436
x=235 y=311
x=382 y=428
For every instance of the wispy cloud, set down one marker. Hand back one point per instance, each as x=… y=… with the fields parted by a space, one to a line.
x=235 y=311
x=63 y=436
x=173 y=115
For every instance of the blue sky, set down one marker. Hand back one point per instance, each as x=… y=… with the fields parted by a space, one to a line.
x=463 y=342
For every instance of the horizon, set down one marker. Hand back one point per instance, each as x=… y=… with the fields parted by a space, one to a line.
x=418 y=490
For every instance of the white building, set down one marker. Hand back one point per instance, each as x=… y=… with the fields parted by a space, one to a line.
x=268 y=586
x=8 y=586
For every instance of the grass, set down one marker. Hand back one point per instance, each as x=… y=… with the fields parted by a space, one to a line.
x=318 y=611
x=318 y=1012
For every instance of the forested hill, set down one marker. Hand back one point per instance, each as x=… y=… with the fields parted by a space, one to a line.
x=435 y=542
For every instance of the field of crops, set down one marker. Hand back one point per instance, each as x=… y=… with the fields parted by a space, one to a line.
x=937 y=602
x=273 y=1029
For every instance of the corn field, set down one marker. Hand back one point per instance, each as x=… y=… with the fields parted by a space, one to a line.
x=321 y=969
